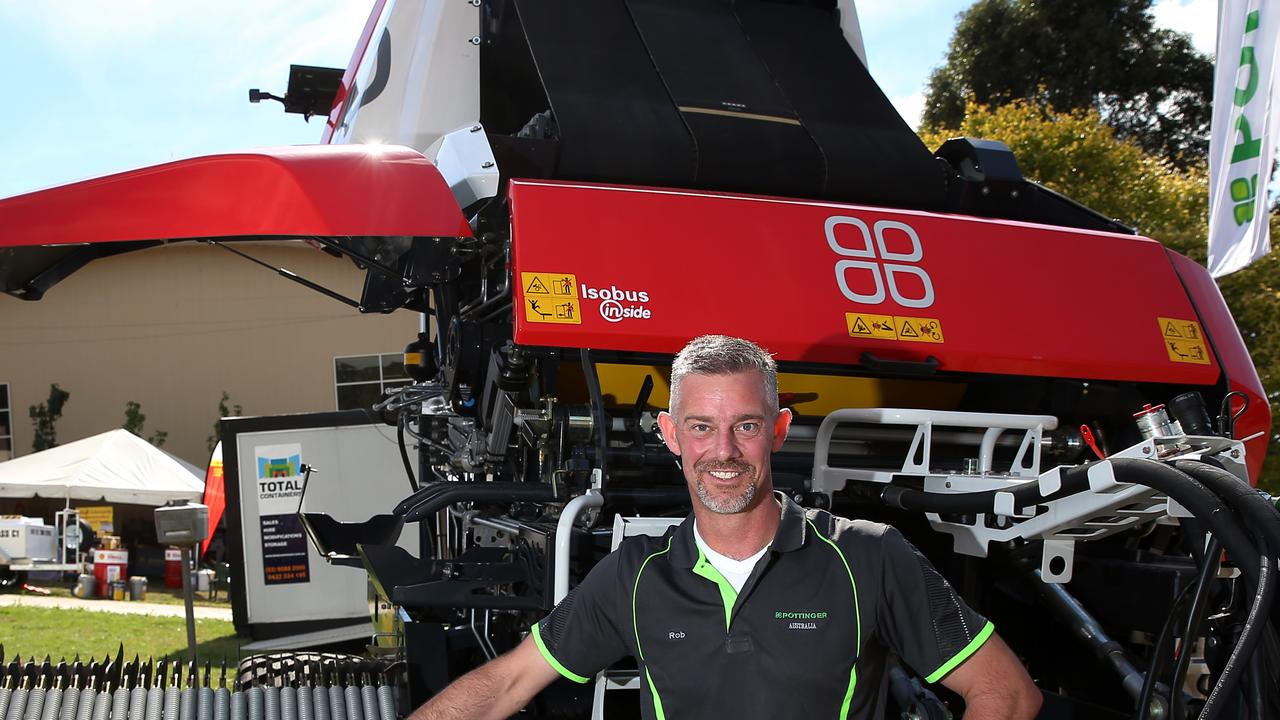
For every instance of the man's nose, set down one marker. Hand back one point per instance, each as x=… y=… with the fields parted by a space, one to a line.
x=726 y=446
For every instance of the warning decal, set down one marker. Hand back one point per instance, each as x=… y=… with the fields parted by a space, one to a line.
x=894 y=327
x=551 y=298
x=1183 y=341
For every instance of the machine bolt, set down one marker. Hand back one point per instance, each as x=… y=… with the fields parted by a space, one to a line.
x=475 y=39
x=475 y=128
x=487 y=164
x=1235 y=454
x=475 y=3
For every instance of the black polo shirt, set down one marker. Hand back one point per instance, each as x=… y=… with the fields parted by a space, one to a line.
x=805 y=638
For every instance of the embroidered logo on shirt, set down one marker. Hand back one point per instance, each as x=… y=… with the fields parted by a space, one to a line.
x=805 y=620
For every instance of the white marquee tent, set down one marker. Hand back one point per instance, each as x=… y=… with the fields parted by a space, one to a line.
x=116 y=467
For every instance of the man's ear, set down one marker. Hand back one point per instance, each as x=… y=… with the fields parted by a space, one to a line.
x=780 y=427
x=667 y=425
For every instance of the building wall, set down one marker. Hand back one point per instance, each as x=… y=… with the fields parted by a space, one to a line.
x=173 y=327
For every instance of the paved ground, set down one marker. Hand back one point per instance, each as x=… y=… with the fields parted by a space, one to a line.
x=112 y=606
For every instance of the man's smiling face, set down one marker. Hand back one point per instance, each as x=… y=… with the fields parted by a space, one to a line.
x=724 y=432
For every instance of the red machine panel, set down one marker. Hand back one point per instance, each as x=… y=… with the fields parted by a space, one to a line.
x=293 y=191
x=645 y=269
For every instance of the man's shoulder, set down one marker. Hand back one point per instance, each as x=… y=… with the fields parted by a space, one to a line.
x=849 y=533
x=634 y=550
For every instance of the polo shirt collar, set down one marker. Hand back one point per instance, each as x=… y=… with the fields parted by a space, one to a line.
x=789 y=536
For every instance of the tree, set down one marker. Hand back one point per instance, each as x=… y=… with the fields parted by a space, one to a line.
x=1079 y=155
x=134 y=420
x=1149 y=84
x=223 y=411
x=43 y=417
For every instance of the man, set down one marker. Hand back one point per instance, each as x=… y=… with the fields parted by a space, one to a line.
x=754 y=607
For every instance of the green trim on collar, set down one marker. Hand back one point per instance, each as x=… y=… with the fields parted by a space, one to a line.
x=551 y=659
x=728 y=595
x=978 y=641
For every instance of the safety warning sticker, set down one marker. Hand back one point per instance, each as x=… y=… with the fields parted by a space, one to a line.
x=1184 y=341
x=551 y=298
x=894 y=327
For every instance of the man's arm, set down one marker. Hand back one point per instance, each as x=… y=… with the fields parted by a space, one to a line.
x=493 y=691
x=994 y=684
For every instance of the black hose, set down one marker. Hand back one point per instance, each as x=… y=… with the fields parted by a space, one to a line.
x=1257 y=514
x=1159 y=651
x=1179 y=486
x=404 y=452
x=1254 y=627
x=1195 y=616
x=485 y=491
x=599 y=420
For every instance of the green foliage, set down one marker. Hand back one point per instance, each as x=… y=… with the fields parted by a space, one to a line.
x=134 y=419
x=223 y=411
x=1077 y=154
x=44 y=416
x=1148 y=84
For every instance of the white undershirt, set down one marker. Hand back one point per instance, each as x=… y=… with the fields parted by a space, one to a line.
x=735 y=571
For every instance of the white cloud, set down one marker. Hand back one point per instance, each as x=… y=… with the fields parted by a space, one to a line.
x=1197 y=18
x=910 y=107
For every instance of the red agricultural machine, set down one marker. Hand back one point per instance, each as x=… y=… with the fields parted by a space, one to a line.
x=1058 y=411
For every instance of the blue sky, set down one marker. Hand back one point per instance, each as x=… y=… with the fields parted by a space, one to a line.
x=99 y=87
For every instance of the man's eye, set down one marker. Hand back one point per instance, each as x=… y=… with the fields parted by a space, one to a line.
x=700 y=428
x=749 y=428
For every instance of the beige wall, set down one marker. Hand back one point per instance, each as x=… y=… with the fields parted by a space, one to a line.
x=173 y=327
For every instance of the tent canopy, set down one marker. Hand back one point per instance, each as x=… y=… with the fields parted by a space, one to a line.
x=116 y=466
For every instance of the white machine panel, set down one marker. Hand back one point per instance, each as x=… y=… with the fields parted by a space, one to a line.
x=358 y=473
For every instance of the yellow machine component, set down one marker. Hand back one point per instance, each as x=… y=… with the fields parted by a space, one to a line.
x=805 y=394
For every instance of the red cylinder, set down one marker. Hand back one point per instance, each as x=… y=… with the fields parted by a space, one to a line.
x=109 y=566
x=172 y=568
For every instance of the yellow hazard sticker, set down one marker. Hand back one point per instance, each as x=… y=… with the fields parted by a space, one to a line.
x=894 y=327
x=551 y=298
x=1184 y=341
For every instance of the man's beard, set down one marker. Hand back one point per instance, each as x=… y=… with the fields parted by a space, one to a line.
x=726 y=505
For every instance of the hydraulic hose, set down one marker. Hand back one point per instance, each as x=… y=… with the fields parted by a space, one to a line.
x=1254 y=627
x=482 y=491
x=1179 y=486
x=1195 y=616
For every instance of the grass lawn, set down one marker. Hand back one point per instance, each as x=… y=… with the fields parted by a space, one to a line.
x=156 y=593
x=65 y=633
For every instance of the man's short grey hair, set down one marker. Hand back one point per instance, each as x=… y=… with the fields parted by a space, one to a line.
x=724 y=355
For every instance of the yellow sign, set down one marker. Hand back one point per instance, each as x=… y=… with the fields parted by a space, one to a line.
x=1184 y=341
x=551 y=298
x=100 y=517
x=894 y=327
